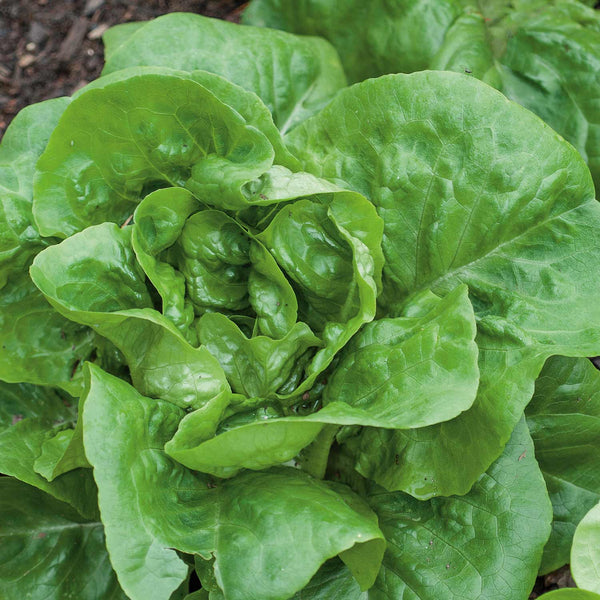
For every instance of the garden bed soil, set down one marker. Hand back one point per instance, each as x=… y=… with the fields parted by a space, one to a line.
x=51 y=48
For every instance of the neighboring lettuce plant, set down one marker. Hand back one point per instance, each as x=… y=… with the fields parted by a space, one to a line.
x=543 y=54
x=287 y=346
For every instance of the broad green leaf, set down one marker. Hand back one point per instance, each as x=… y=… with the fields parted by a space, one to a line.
x=245 y=102
x=94 y=279
x=487 y=544
x=38 y=345
x=372 y=38
x=115 y=36
x=564 y=421
x=121 y=141
x=29 y=417
x=550 y=65
x=152 y=505
x=585 y=554
x=411 y=371
x=22 y=144
x=480 y=196
x=294 y=76
x=545 y=55
x=48 y=551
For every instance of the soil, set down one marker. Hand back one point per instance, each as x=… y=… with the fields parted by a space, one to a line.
x=51 y=48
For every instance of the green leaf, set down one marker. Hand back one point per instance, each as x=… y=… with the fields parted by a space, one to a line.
x=257 y=366
x=333 y=581
x=192 y=139
x=570 y=594
x=152 y=505
x=372 y=38
x=414 y=370
x=94 y=279
x=542 y=54
x=486 y=544
x=563 y=419
x=22 y=144
x=38 y=345
x=293 y=76
x=29 y=417
x=484 y=198
x=48 y=551
x=20 y=401
x=585 y=554
x=330 y=247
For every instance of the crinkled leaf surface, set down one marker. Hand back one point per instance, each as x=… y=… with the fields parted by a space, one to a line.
x=395 y=374
x=585 y=554
x=564 y=421
x=151 y=504
x=121 y=141
x=22 y=144
x=294 y=76
x=545 y=55
x=484 y=545
x=36 y=344
x=373 y=38
x=48 y=551
x=94 y=279
x=459 y=207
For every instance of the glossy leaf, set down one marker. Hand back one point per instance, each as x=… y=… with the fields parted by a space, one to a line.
x=454 y=212
x=294 y=76
x=48 y=551
x=93 y=278
x=30 y=416
x=486 y=544
x=192 y=139
x=22 y=144
x=372 y=38
x=563 y=421
x=161 y=505
x=542 y=54
x=585 y=554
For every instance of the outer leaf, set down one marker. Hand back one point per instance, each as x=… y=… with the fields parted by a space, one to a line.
x=485 y=545
x=191 y=137
x=93 y=278
x=585 y=554
x=38 y=345
x=22 y=144
x=542 y=54
x=48 y=551
x=31 y=415
x=563 y=420
x=293 y=76
x=333 y=581
x=161 y=505
x=457 y=211
x=373 y=38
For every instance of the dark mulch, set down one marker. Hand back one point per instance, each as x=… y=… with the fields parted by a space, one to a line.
x=51 y=48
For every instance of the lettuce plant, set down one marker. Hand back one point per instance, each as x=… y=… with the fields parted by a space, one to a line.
x=543 y=54
x=281 y=332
